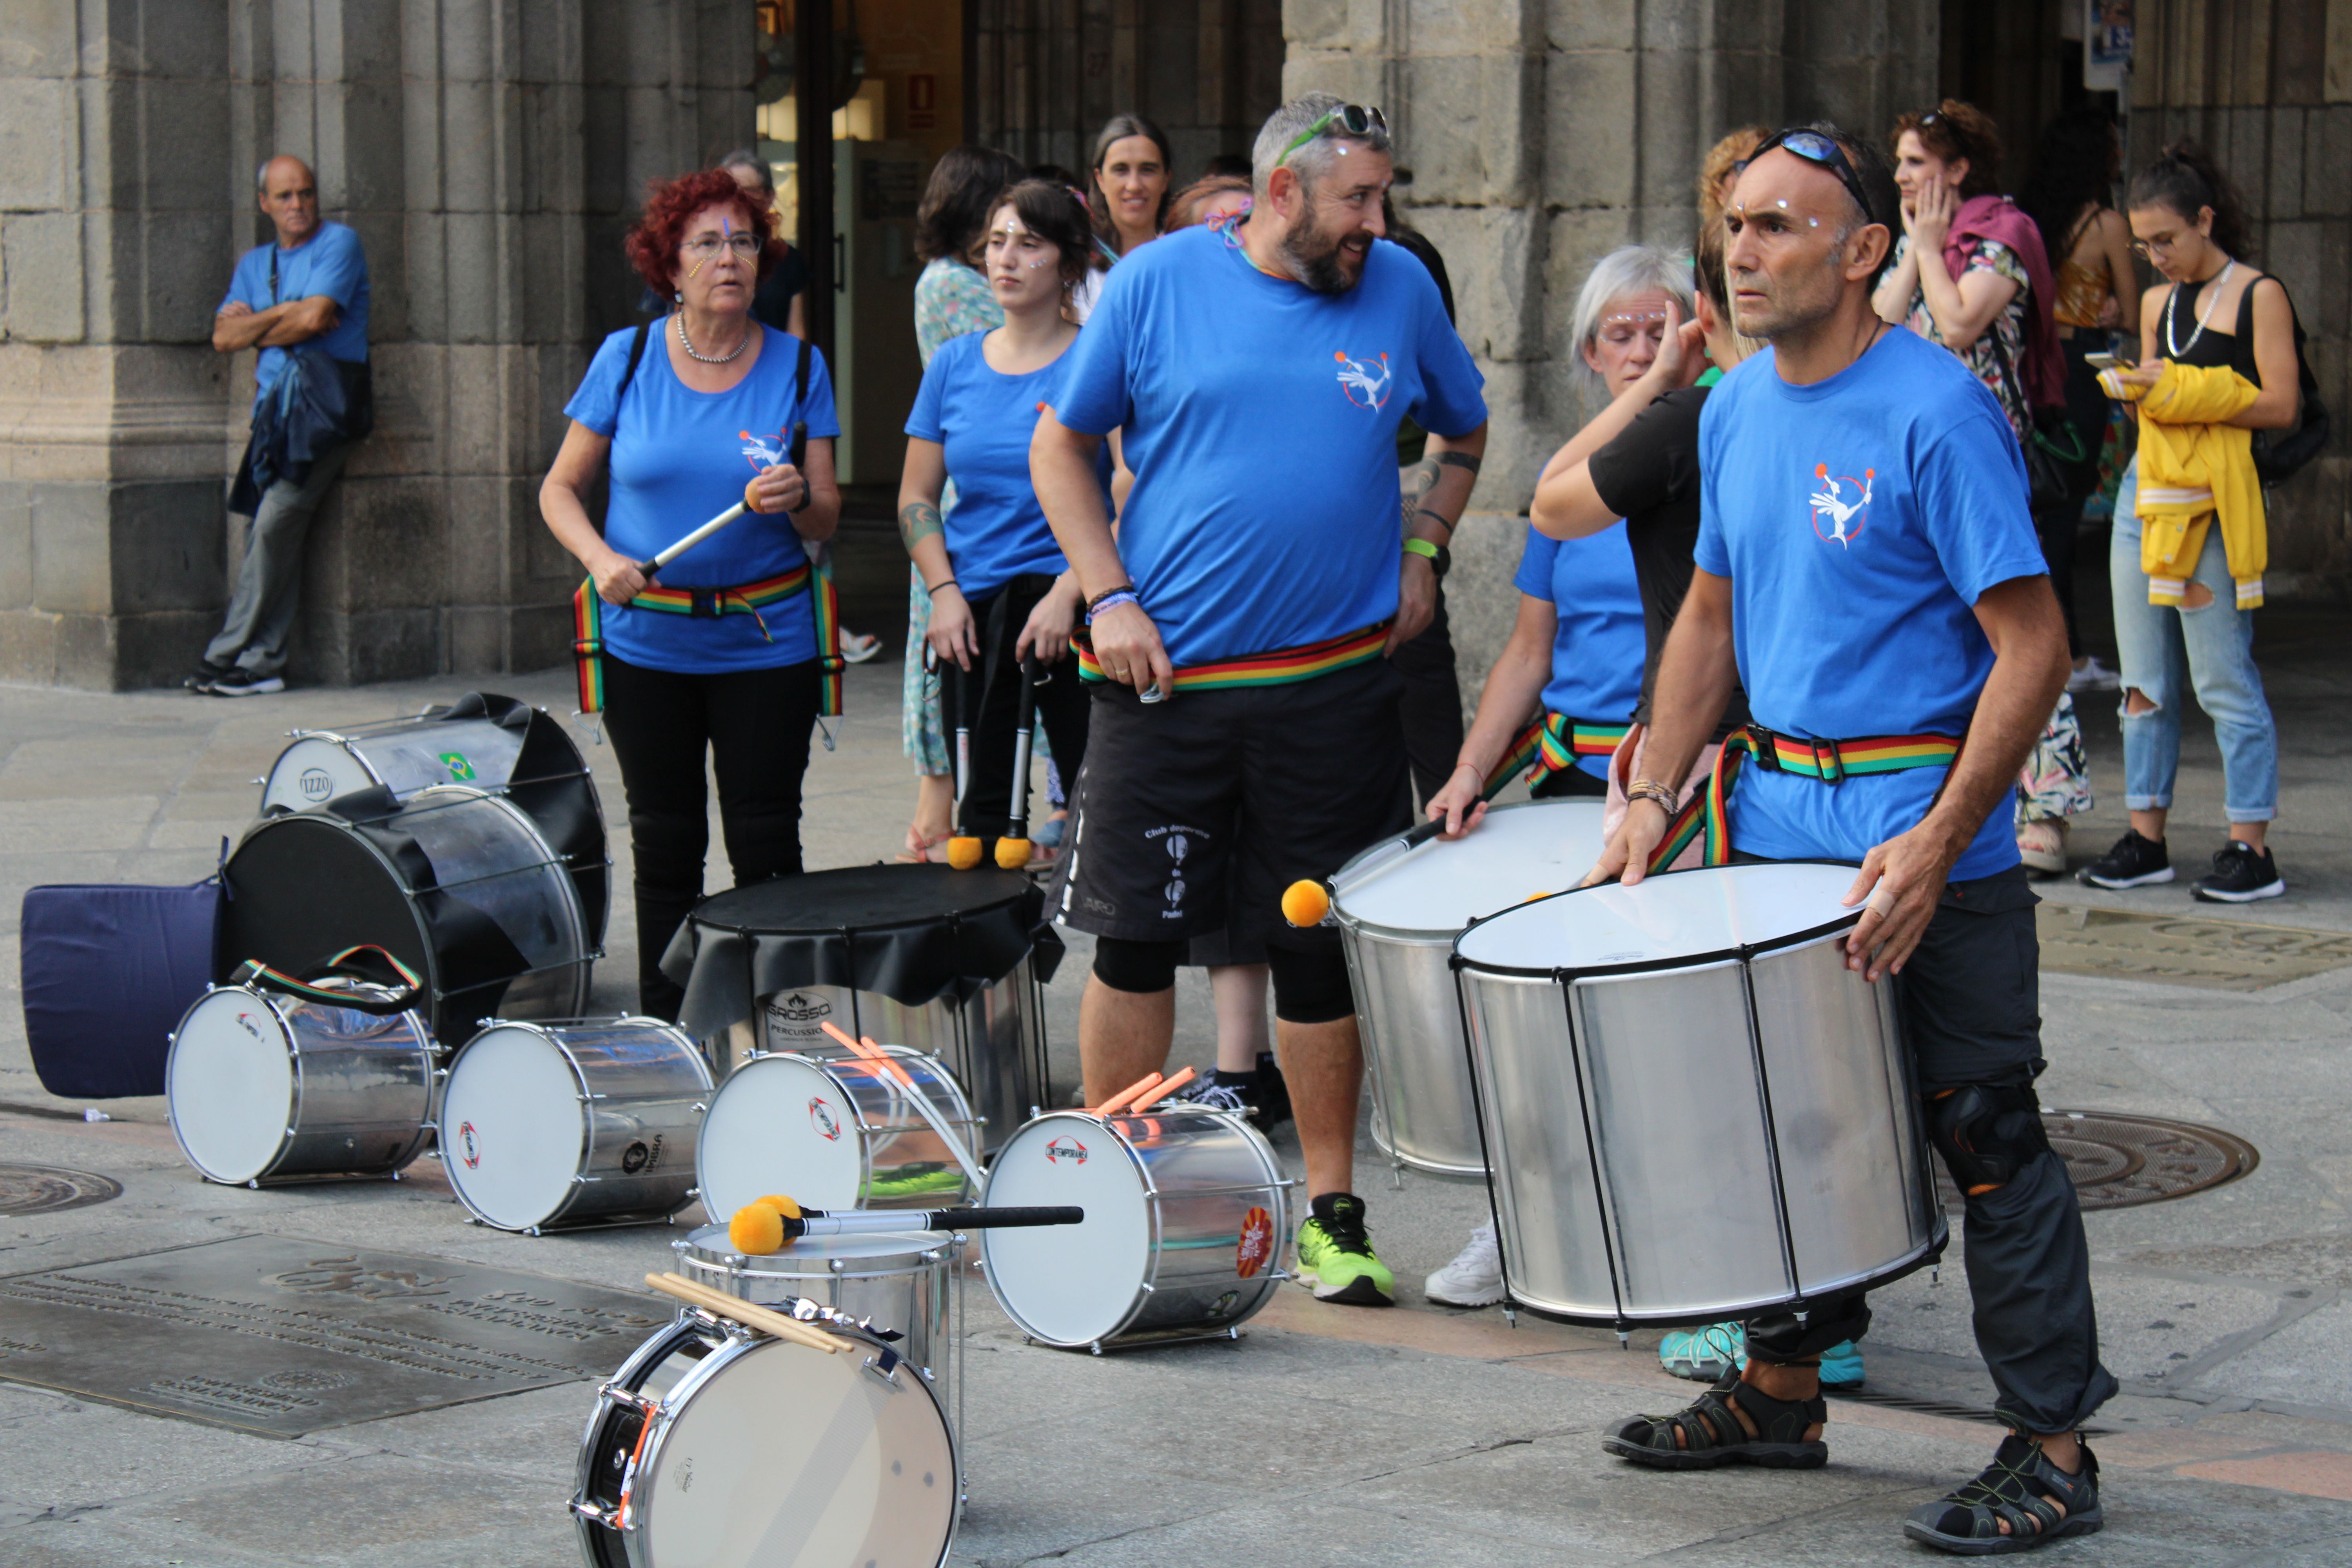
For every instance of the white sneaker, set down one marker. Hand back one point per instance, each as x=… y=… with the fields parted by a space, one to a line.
x=857 y=648
x=2094 y=677
x=1474 y=1279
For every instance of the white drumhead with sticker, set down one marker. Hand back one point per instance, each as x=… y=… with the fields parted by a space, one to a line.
x=779 y=1125
x=229 y=1083
x=1069 y=1284
x=513 y=1131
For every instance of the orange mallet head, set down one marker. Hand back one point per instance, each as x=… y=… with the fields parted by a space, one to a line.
x=964 y=853
x=1011 y=854
x=752 y=493
x=1304 y=903
x=757 y=1230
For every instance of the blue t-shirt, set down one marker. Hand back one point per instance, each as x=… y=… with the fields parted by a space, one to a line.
x=984 y=419
x=1597 y=652
x=1259 y=418
x=1859 y=520
x=679 y=459
x=331 y=262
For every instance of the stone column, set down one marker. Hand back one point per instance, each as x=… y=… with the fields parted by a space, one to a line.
x=487 y=151
x=1539 y=136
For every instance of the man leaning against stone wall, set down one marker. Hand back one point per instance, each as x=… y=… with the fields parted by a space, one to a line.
x=303 y=300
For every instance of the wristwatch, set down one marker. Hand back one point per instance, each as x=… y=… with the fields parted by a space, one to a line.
x=1438 y=557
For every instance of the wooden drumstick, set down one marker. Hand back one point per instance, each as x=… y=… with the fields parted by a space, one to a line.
x=736 y=1310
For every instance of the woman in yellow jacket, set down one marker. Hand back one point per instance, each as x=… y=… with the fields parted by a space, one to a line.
x=2217 y=364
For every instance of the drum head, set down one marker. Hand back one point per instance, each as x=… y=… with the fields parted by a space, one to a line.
x=779 y=1453
x=512 y=1130
x=814 y=1256
x=1517 y=853
x=1069 y=1284
x=230 y=1085
x=313 y=770
x=1666 y=922
x=778 y=1125
x=303 y=888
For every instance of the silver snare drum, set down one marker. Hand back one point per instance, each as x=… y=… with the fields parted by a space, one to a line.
x=1694 y=1111
x=1399 y=910
x=831 y=1134
x=1187 y=1212
x=546 y=1125
x=266 y=1088
x=894 y=1282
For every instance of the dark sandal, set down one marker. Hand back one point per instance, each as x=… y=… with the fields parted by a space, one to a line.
x=1712 y=1435
x=1967 y=1522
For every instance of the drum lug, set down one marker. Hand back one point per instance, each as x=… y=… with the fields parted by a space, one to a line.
x=609 y=1518
x=885 y=1365
x=700 y=1110
x=613 y=1394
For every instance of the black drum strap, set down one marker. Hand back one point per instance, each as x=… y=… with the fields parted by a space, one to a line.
x=385 y=985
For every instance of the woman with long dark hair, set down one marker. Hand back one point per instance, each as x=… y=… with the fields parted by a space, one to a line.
x=1131 y=179
x=1001 y=590
x=2218 y=361
x=722 y=651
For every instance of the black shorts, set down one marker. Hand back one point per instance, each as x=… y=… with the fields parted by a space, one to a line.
x=1195 y=814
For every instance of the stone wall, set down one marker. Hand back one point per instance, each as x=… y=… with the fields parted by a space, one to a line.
x=487 y=151
x=2268 y=90
x=1540 y=136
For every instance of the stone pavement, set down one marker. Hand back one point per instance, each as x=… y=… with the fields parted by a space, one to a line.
x=1327 y=1435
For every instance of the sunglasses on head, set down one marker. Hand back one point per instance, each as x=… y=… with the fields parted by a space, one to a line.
x=1815 y=148
x=1352 y=118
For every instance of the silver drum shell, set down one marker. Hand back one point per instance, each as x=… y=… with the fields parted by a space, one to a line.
x=892 y=1138
x=898 y=1282
x=994 y=1043
x=1691 y=1144
x=361 y=1086
x=1200 y=1174
x=639 y=1085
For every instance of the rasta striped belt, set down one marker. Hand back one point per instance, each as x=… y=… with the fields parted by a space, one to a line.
x=1552 y=745
x=711 y=604
x=1279 y=667
x=1705 y=817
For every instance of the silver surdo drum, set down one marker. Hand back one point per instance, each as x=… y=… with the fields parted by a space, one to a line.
x=832 y=1133
x=945 y=963
x=1399 y=908
x=497 y=744
x=1694 y=1111
x=547 y=1126
x=459 y=884
x=264 y=1088
x=893 y=1282
x=1187 y=1212
x=717 y=1448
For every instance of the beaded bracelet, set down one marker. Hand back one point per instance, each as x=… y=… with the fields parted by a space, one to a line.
x=1111 y=601
x=1651 y=789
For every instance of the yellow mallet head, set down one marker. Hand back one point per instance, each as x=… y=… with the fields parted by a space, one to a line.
x=964 y=853
x=757 y=1230
x=781 y=1204
x=752 y=493
x=1011 y=854
x=1304 y=903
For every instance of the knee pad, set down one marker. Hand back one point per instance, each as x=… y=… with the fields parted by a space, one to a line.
x=1986 y=1134
x=1310 y=987
x=1139 y=966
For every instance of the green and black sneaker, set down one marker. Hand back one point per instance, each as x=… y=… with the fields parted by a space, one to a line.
x=1336 y=1257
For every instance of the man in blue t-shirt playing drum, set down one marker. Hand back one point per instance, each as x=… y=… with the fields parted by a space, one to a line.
x=1245 y=730
x=1868 y=570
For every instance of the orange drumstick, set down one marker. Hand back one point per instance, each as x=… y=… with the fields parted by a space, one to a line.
x=1124 y=1095
x=868 y=1051
x=1159 y=1091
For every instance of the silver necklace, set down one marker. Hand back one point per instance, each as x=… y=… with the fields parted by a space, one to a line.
x=687 y=344
x=2212 y=293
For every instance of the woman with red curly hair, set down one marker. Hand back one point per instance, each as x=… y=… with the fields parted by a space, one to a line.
x=688 y=416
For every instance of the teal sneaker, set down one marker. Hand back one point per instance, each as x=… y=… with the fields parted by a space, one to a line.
x=1704 y=1355
x=1336 y=1257
x=1842 y=1368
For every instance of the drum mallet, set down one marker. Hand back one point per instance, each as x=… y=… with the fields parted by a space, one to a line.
x=748 y=503
x=790 y=1227
x=963 y=850
x=1308 y=902
x=1013 y=850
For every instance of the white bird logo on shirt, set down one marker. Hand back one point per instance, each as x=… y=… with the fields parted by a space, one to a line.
x=1826 y=500
x=1365 y=382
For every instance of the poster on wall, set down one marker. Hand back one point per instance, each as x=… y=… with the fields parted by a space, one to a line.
x=2106 y=44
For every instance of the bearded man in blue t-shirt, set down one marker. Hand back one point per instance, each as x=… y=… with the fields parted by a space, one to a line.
x=1868 y=570
x=1245 y=730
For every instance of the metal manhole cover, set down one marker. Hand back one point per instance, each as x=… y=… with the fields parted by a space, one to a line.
x=2183 y=950
x=45 y=1189
x=2120 y=1162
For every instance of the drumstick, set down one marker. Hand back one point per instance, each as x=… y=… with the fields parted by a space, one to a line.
x=1129 y=1092
x=736 y=1310
x=963 y=850
x=691 y=539
x=897 y=1222
x=868 y=1051
x=1159 y=1091
x=1308 y=902
x=1013 y=850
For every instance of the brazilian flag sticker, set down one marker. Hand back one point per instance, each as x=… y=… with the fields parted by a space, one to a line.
x=460 y=770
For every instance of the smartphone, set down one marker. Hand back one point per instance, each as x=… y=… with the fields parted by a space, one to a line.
x=2105 y=361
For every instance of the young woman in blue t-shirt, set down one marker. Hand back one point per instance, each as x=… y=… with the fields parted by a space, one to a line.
x=719 y=649
x=999 y=586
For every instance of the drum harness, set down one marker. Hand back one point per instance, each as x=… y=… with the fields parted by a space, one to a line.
x=711 y=604
x=1276 y=667
x=366 y=979
x=1553 y=744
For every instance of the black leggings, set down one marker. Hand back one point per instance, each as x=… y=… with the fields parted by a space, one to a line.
x=992 y=693
x=755 y=723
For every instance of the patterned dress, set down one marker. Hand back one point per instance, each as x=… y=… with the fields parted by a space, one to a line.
x=950 y=300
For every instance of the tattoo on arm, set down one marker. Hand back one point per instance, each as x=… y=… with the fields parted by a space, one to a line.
x=1419 y=481
x=919 y=520
x=1459 y=460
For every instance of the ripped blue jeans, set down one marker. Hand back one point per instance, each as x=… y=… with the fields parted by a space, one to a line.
x=2167 y=653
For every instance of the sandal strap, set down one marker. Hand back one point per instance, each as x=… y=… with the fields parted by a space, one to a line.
x=1779 y=1420
x=1709 y=1421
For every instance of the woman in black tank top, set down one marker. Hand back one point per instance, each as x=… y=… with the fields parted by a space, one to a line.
x=2213 y=311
